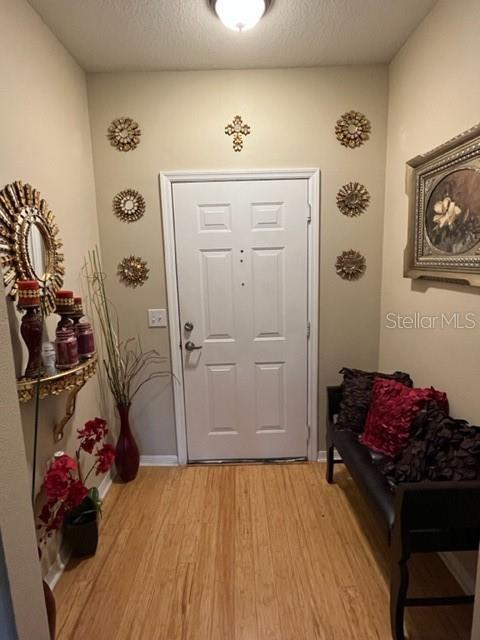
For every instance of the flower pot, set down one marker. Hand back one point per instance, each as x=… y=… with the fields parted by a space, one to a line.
x=80 y=529
x=127 y=456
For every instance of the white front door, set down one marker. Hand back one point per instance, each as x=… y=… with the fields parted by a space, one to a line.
x=241 y=249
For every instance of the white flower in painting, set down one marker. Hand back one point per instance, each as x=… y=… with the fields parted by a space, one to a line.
x=446 y=212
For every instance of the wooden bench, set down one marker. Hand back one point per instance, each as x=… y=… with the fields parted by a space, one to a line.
x=417 y=517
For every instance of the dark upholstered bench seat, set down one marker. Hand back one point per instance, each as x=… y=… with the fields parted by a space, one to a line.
x=372 y=483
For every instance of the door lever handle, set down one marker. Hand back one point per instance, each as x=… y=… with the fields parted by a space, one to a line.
x=191 y=346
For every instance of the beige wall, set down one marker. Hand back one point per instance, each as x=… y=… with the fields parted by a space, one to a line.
x=17 y=531
x=433 y=95
x=46 y=141
x=292 y=114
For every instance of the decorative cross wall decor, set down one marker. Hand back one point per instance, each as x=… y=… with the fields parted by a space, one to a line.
x=237 y=129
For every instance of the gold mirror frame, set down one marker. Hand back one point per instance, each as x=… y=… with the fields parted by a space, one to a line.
x=21 y=206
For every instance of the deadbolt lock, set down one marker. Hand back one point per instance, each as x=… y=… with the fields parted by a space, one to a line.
x=188 y=326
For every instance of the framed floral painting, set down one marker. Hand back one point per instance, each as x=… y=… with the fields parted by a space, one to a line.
x=443 y=188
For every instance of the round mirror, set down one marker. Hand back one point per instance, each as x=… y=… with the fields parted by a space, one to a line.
x=37 y=251
x=33 y=248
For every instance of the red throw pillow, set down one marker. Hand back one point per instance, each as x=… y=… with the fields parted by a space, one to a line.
x=392 y=410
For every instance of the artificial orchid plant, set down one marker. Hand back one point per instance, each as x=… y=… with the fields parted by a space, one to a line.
x=64 y=484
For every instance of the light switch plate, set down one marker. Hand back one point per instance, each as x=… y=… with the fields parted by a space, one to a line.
x=157 y=317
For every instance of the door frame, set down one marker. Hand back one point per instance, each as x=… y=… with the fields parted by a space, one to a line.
x=167 y=180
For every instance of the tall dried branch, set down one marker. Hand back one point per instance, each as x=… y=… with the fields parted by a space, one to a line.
x=127 y=366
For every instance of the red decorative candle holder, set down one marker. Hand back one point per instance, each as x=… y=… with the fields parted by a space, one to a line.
x=31 y=326
x=77 y=313
x=28 y=294
x=77 y=306
x=64 y=306
x=64 y=301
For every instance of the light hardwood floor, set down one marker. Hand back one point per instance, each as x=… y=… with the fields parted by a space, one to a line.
x=244 y=553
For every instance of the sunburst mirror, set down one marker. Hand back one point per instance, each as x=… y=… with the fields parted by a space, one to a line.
x=30 y=247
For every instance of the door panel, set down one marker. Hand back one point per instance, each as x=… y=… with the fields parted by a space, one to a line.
x=222 y=398
x=268 y=281
x=271 y=395
x=242 y=280
x=216 y=278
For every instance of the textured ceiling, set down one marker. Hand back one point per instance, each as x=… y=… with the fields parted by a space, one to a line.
x=144 y=35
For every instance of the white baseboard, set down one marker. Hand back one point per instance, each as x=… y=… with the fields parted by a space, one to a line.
x=104 y=486
x=56 y=569
x=322 y=456
x=158 y=461
x=465 y=578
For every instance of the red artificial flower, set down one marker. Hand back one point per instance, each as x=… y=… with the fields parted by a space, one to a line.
x=94 y=431
x=106 y=456
x=63 y=463
x=76 y=494
x=57 y=483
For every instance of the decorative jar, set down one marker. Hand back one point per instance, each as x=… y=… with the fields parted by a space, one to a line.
x=49 y=358
x=66 y=347
x=86 y=341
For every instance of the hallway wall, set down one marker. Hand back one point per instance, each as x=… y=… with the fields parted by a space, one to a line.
x=292 y=113
x=17 y=531
x=46 y=141
x=433 y=96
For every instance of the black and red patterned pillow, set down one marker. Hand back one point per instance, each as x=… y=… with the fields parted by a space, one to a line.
x=356 y=395
x=440 y=448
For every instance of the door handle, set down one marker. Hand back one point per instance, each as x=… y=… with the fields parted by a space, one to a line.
x=191 y=346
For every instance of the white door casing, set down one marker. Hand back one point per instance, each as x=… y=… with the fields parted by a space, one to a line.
x=242 y=265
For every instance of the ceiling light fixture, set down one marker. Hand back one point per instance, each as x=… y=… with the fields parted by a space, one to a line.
x=240 y=15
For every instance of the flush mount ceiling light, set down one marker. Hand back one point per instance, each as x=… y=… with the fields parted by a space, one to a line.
x=240 y=15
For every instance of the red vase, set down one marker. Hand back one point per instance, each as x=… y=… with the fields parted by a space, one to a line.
x=127 y=455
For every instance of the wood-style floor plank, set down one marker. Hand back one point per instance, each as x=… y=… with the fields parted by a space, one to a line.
x=252 y=552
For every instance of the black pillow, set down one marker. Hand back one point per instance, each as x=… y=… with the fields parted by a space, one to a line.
x=356 y=393
x=440 y=448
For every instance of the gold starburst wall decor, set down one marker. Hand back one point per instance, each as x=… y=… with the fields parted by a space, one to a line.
x=350 y=265
x=124 y=134
x=129 y=205
x=133 y=271
x=352 y=129
x=353 y=199
x=238 y=129
x=26 y=222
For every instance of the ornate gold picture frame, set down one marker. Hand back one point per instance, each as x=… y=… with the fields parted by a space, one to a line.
x=443 y=188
